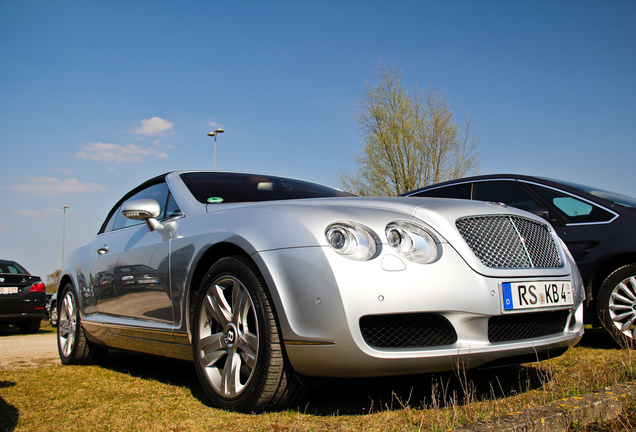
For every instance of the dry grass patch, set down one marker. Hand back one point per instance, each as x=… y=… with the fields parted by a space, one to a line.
x=135 y=392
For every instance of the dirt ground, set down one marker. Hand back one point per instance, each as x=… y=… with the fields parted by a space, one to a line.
x=22 y=351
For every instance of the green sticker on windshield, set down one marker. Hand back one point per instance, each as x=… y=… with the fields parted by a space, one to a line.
x=215 y=200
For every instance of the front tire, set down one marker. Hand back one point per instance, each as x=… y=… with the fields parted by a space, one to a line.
x=72 y=345
x=616 y=305
x=237 y=348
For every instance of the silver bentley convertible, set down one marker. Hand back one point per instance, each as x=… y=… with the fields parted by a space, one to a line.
x=263 y=281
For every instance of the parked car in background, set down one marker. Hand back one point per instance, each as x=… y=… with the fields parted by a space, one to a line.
x=263 y=281
x=52 y=309
x=22 y=297
x=599 y=228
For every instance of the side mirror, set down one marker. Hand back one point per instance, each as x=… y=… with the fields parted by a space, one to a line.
x=147 y=210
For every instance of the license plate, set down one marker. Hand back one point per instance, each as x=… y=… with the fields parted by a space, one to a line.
x=9 y=290
x=529 y=295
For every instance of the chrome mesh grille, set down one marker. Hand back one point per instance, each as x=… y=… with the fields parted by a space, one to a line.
x=407 y=331
x=510 y=242
x=526 y=326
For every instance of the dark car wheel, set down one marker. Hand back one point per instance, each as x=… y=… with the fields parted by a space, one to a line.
x=237 y=348
x=616 y=304
x=54 y=314
x=29 y=327
x=72 y=344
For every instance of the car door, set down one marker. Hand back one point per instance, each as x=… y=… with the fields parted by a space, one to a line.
x=513 y=193
x=587 y=224
x=129 y=269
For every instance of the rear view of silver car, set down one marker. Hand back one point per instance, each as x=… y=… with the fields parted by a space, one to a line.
x=263 y=281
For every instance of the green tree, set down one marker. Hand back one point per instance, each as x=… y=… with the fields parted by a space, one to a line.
x=410 y=140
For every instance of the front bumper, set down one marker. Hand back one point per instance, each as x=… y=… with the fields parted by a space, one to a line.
x=321 y=297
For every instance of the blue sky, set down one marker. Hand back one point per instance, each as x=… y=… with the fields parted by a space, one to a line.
x=98 y=96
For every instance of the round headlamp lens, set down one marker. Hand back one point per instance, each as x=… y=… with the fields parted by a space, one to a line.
x=394 y=236
x=412 y=242
x=337 y=239
x=352 y=240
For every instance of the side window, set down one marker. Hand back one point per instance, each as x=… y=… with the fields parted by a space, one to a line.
x=507 y=192
x=574 y=209
x=461 y=191
x=158 y=192
x=111 y=221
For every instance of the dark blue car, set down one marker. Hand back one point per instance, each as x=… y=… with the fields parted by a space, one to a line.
x=599 y=228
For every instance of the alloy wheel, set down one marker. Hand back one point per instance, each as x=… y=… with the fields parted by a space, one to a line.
x=622 y=306
x=67 y=325
x=228 y=337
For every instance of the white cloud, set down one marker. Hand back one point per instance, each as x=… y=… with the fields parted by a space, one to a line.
x=117 y=153
x=54 y=186
x=38 y=214
x=28 y=213
x=215 y=125
x=154 y=126
x=63 y=170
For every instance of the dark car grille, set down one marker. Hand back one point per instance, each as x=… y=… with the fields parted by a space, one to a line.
x=407 y=330
x=526 y=326
x=510 y=242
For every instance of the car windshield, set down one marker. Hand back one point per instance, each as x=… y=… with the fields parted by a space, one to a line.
x=223 y=187
x=616 y=198
x=10 y=267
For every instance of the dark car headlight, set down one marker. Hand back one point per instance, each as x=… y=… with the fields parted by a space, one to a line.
x=412 y=242
x=352 y=240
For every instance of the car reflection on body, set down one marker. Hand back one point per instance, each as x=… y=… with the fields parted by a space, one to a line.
x=22 y=297
x=115 y=280
x=266 y=281
x=597 y=226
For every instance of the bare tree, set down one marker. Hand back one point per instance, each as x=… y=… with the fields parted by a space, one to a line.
x=52 y=280
x=410 y=140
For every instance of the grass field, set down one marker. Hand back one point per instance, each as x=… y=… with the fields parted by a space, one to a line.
x=136 y=392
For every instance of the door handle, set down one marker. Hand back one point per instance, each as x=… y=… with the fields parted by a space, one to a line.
x=102 y=250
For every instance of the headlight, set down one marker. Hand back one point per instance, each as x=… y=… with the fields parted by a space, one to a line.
x=412 y=242
x=352 y=240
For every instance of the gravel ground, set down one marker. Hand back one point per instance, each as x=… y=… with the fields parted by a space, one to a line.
x=24 y=351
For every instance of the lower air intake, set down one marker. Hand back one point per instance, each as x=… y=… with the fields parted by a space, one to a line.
x=508 y=328
x=407 y=331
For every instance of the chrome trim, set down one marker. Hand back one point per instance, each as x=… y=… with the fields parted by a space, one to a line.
x=109 y=326
x=314 y=343
x=439 y=187
x=616 y=215
x=523 y=242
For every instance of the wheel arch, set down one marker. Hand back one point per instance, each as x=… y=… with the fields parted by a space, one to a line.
x=65 y=280
x=603 y=270
x=205 y=261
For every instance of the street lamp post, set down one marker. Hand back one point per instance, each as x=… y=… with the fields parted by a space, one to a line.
x=214 y=134
x=64 y=207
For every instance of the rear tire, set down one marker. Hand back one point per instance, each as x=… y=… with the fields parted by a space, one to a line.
x=616 y=305
x=54 y=314
x=72 y=345
x=237 y=347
